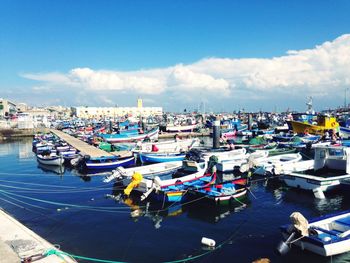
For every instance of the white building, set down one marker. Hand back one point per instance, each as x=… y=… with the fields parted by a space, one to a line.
x=7 y=108
x=112 y=112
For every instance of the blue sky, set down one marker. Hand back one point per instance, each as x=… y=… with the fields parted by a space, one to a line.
x=175 y=53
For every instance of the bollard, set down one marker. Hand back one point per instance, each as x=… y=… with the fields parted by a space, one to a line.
x=216 y=133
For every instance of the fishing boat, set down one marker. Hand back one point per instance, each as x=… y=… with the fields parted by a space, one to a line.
x=266 y=165
x=223 y=154
x=327 y=235
x=224 y=192
x=229 y=165
x=117 y=138
x=331 y=167
x=160 y=157
x=50 y=159
x=181 y=128
x=167 y=146
x=105 y=162
x=125 y=174
x=324 y=123
x=166 y=187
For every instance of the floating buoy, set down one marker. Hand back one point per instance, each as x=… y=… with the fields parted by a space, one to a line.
x=135 y=213
x=208 y=242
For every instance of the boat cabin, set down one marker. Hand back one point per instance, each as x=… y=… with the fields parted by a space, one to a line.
x=332 y=158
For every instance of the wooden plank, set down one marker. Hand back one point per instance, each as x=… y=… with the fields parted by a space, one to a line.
x=83 y=147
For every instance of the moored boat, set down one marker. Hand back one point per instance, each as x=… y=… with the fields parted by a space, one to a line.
x=50 y=159
x=331 y=167
x=326 y=236
x=106 y=162
x=125 y=174
x=160 y=157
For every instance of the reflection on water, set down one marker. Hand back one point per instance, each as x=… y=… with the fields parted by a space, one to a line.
x=57 y=169
x=163 y=232
x=203 y=210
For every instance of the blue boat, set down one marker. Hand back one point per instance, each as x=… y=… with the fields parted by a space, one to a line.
x=107 y=162
x=130 y=137
x=326 y=236
x=161 y=157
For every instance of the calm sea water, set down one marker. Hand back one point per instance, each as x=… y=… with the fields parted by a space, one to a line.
x=79 y=214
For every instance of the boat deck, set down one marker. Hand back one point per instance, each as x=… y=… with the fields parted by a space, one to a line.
x=86 y=149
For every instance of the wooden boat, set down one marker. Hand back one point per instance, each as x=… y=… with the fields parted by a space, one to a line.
x=161 y=157
x=167 y=146
x=163 y=187
x=125 y=174
x=326 y=236
x=223 y=154
x=331 y=167
x=117 y=138
x=106 y=162
x=324 y=123
x=224 y=192
x=50 y=159
x=181 y=128
x=266 y=165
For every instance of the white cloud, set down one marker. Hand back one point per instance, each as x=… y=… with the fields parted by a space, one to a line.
x=321 y=71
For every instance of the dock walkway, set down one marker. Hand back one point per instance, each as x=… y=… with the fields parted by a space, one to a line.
x=19 y=242
x=87 y=149
x=83 y=147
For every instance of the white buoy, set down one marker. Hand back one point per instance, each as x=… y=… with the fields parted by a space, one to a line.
x=208 y=242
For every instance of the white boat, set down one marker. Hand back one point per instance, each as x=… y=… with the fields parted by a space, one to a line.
x=331 y=167
x=125 y=174
x=189 y=171
x=167 y=146
x=268 y=164
x=326 y=236
x=224 y=154
x=230 y=165
x=50 y=159
x=181 y=128
x=243 y=161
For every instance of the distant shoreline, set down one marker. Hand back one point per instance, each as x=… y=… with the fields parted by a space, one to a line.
x=10 y=133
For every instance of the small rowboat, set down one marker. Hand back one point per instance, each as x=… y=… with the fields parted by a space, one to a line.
x=147 y=171
x=224 y=192
x=161 y=157
x=326 y=236
x=107 y=162
x=51 y=159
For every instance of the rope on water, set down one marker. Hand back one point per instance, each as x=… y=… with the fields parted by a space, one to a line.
x=58 y=253
x=65 y=204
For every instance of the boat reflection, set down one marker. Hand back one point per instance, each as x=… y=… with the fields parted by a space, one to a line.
x=57 y=169
x=203 y=209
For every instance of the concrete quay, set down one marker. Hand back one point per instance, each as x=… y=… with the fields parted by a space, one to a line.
x=18 y=243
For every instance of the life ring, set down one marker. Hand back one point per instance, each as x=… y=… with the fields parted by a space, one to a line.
x=333 y=124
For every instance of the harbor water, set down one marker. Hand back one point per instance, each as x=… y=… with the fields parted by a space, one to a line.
x=87 y=217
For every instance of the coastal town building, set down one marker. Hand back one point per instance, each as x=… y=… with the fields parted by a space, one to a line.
x=112 y=112
x=7 y=108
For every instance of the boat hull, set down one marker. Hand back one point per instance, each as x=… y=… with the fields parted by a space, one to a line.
x=58 y=160
x=110 y=165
